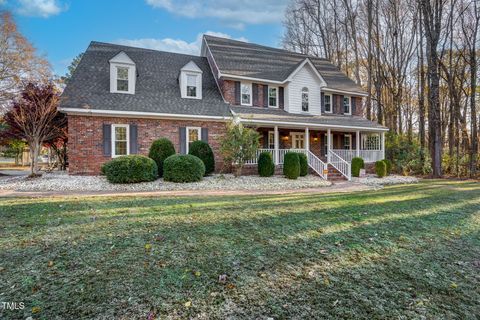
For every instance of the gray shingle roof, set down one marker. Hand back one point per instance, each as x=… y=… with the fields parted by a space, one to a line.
x=252 y=60
x=157 y=88
x=269 y=114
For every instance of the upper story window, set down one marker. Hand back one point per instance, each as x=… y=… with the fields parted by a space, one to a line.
x=246 y=94
x=122 y=74
x=120 y=143
x=347 y=106
x=191 y=85
x=327 y=101
x=190 y=81
x=305 y=99
x=273 y=97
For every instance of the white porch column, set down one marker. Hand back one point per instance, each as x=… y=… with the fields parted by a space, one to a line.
x=307 y=139
x=357 y=136
x=329 y=144
x=383 y=145
x=276 y=140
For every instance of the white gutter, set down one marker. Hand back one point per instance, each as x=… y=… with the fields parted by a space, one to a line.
x=345 y=92
x=138 y=114
x=305 y=124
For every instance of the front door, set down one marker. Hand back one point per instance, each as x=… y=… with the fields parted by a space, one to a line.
x=298 y=140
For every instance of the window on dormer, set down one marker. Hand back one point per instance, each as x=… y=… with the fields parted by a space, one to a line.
x=327 y=101
x=246 y=90
x=122 y=79
x=191 y=85
x=272 y=97
x=305 y=99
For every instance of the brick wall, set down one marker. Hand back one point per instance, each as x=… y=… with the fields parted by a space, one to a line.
x=85 y=139
x=228 y=90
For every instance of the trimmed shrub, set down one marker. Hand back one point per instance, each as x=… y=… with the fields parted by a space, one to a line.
x=291 y=165
x=202 y=150
x=388 y=164
x=381 y=168
x=357 y=164
x=266 y=167
x=183 y=168
x=130 y=169
x=160 y=150
x=303 y=164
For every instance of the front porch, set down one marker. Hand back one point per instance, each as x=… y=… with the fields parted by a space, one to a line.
x=323 y=147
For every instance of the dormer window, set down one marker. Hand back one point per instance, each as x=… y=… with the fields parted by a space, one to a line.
x=347 y=106
x=305 y=99
x=190 y=81
x=246 y=94
x=327 y=101
x=273 y=97
x=122 y=74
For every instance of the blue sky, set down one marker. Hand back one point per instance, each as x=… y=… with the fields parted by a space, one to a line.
x=61 y=29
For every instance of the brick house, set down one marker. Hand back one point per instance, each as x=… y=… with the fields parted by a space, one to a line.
x=120 y=99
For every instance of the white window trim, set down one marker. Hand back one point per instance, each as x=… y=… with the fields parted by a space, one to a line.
x=276 y=98
x=131 y=78
x=196 y=85
x=251 y=93
x=268 y=140
x=308 y=100
x=187 y=136
x=294 y=139
x=113 y=139
x=350 y=138
x=198 y=82
x=326 y=144
x=349 y=113
x=331 y=103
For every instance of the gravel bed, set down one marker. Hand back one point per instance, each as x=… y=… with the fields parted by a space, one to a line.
x=373 y=180
x=63 y=182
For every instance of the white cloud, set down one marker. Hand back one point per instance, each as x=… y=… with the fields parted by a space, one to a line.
x=174 y=45
x=230 y=11
x=40 y=8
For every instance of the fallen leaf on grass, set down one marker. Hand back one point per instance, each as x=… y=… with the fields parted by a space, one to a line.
x=197 y=274
x=188 y=304
x=50 y=263
x=453 y=285
x=230 y=286
x=148 y=247
x=36 y=309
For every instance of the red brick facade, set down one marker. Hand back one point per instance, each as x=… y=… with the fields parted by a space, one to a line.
x=85 y=140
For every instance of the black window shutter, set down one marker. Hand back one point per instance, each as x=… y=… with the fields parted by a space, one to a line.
x=183 y=140
x=281 y=95
x=353 y=104
x=237 y=92
x=255 y=101
x=205 y=135
x=322 y=102
x=107 y=140
x=265 y=96
x=133 y=139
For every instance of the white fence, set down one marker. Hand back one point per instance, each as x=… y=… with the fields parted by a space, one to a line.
x=366 y=155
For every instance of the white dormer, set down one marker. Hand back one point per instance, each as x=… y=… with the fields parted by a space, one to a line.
x=191 y=81
x=122 y=74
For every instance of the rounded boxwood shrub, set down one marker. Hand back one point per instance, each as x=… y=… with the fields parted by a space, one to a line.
x=291 y=165
x=183 y=168
x=381 y=168
x=357 y=164
x=160 y=150
x=266 y=167
x=130 y=169
x=303 y=164
x=388 y=164
x=202 y=150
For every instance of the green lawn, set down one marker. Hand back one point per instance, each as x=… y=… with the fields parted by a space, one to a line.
x=399 y=253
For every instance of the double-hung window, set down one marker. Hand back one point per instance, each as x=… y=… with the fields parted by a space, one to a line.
x=327 y=101
x=273 y=97
x=192 y=85
x=305 y=99
x=298 y=140
x=120 y=140
x=246 y=94
x=122 y=79
x=347 y=107
x=193 y=134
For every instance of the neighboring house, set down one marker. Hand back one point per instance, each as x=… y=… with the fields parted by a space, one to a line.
x=120 y=99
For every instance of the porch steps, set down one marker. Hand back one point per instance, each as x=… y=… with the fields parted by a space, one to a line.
x=334 y=174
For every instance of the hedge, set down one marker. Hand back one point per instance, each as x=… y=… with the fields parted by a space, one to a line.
x=183 y=168
x=202 y=150
x=357 y=164
x=388 y=164
x=381 y=168
x=303 y=164
x=160 y=150
x=266 y=167
x=130 y=169
x=291 y=165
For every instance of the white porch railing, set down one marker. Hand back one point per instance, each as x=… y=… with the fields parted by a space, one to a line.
x=317 y=165
x=366 y=155
x=281 y=153
x=341 y=165
x=255 y=159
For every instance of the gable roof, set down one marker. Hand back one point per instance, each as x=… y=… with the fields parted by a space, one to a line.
x=242 y=59
x=156 y=90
